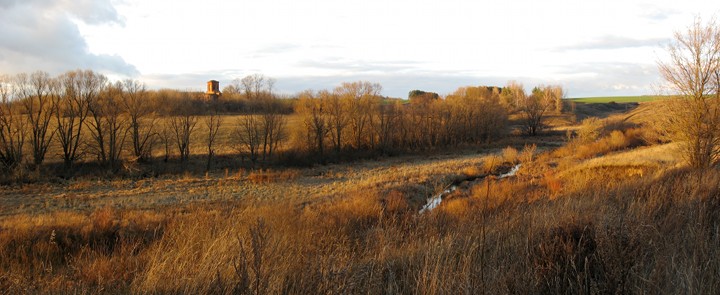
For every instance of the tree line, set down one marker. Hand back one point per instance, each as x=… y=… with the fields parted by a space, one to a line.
x=87 y=117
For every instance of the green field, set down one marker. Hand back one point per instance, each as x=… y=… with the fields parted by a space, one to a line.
x=618 y=99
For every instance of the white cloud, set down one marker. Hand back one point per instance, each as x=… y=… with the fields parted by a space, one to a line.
x=42 y=35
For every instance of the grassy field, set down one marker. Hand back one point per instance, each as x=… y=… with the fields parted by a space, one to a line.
x=617 y=99
x=613 y=210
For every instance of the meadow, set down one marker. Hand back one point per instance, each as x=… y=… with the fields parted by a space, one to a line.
x=608 y=207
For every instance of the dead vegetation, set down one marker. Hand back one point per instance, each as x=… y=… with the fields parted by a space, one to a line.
x=612 y=209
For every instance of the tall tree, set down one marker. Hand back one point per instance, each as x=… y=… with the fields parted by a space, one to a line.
x=143 y=120
x=213 y=121
x=38 y=93
x=79 y=89
x=692 y=71
x=363 y=97
x=312 y=116
x=12 y=126
x=108 y=125
x=182 y=126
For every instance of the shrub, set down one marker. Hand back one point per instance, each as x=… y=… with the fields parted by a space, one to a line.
x=510 y=155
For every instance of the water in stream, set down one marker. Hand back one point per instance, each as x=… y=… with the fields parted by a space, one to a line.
x=435 y=201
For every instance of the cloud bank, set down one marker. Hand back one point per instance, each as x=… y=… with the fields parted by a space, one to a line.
x=43 y=35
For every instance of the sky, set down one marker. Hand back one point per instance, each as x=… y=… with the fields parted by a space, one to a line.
x=591 y=48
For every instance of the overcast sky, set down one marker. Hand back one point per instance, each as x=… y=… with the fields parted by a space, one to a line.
x=592 y=48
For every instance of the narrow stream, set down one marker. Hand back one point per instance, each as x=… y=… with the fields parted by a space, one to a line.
x=435 y=201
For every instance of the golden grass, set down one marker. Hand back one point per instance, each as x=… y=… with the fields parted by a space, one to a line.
x=620 y=221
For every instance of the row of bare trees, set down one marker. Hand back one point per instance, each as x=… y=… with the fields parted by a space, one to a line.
x=354 y=117
x=83 y=114
x=80 y=113
x=533 y=108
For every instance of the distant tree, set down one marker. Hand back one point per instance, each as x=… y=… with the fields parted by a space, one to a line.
x=273 y=129
x=12 y=126
x=108 y=125
x=142 y=119
x=256 y=86
x=313 y=118
x=212 y=121
x=338 y=115
x=693 y=73
x=532 y=109
x=248 y=134
x=422 y=95
x=79 y=89
x=362 y=98
x=38 y=94
x=182 y=126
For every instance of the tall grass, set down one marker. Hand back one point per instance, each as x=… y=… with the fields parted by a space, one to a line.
x=646 y=234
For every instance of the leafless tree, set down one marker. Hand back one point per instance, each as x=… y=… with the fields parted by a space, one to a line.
x=534 y=107
x=362 y=97
x=79 y=89
x=312 y=114
x=135 y=101
x=212 y=122
x=183 y=124
x=256 y=86
x=338 y=116
x=693 y=73
x=248 y=135
x=273 y=131
x=38 y=93
x=108 y=125
x=12 y=126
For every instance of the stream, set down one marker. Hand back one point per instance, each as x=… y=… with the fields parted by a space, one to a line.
x=435 y=201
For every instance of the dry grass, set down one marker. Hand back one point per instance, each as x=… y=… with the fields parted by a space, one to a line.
x=622 y=221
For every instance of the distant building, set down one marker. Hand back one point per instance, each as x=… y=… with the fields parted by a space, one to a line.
x=213 y=90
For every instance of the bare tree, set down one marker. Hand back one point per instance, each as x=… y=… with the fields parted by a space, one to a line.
x=533 y=109
x=693 y=73
x=273 y=131
x=248 y=134
x=38 y=93
x=338 y=116
x=256 y=86
x=80 y=88
x=135 y=102
x=165 y=135
x=12 y=126
x=312 y=114
x=212 y=123
x=183 y=124
x=108 y=125
x=363 y=98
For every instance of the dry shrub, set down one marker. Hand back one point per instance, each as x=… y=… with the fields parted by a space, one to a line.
x=510 y=155
x=565 y=259
x=270 y=176
x=456 y=207
x=590 y=130
x=491 y=163
x=617 y=140
x=103 y=219
x=471 y=171
x=395 y=202
x=553 y=183
x=528 y=153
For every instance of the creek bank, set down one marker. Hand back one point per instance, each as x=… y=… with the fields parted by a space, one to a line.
x=435 y=201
